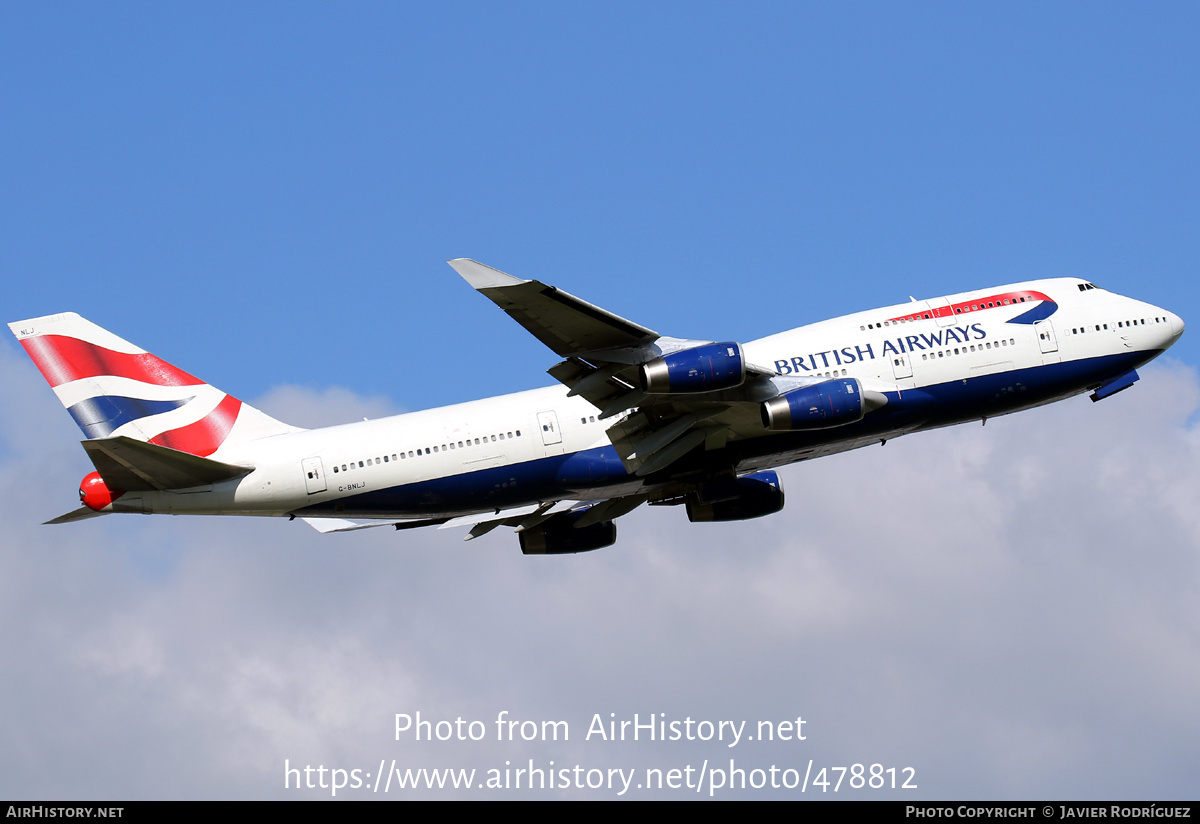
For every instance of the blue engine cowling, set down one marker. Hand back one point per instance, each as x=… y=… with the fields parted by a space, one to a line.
x=820 y=406
x=759 y=493
x=707 y=368
x=559 y=536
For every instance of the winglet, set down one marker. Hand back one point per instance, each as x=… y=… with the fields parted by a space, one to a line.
x=481 y=276
x=566 y=324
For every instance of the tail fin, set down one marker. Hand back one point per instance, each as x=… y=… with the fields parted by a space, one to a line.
x=113 y=388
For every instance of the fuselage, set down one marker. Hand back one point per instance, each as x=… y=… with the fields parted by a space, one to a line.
x=939 y=362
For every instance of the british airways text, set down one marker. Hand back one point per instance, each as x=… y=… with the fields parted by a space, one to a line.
x=852 y=354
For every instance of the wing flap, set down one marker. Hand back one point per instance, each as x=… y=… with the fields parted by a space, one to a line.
x=523 y=517
x=327 y=525
x=609 y=510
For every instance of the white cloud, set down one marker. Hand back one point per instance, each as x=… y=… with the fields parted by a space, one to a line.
x=1008 y=609
x=310 y=408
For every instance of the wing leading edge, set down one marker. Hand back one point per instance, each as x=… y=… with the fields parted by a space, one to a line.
x=566 y=324
x=612 y=362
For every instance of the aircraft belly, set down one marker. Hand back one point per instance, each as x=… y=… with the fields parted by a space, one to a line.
x=556 y=477
x=938 y=405
x=230 y=498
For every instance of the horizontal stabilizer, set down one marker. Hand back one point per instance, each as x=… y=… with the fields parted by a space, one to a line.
x=75 y=515
x=127 y=465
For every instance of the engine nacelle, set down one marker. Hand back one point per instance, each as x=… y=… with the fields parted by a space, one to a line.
x=95 y=494
x=821 y=406
x=759 y=493
x=707 y=368
x=559 y=536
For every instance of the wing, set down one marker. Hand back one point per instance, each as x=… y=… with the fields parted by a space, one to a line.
x=554 y=527
x=673 y=395
x=326 y=525
x=527 y=517
x=568 y=325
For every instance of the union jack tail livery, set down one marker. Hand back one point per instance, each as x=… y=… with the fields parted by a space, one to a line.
x=148 y=425
x=113 y=389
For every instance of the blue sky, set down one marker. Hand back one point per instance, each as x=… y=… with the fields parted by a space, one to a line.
x=266 y=194
x=289 y=178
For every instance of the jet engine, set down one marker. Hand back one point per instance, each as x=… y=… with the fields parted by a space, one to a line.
x=758 y=494
x=558 y=535
x=707 y=368
x=821 y=406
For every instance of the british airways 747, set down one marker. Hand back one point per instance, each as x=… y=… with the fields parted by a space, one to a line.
x=643 y=418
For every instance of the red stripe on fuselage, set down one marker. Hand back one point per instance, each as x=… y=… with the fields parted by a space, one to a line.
x=206 y=435
x=62 y=360
x=990 y=302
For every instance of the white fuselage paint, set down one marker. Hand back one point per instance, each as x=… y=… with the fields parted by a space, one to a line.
x=1091 y=337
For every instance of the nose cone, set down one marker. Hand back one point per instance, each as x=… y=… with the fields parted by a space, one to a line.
x=1176 y=323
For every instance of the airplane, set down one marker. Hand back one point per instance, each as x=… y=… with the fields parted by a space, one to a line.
x=640 y=418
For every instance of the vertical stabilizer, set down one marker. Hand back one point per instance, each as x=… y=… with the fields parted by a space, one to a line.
x=113 y=388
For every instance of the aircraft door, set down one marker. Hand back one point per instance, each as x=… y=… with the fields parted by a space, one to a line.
x=943 y=311
x=548 y=423
x=1045 y=334
x=314 y=475
x=901 y=366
